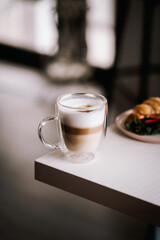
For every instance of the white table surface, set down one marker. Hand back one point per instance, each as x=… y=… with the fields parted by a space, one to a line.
x=124 y=176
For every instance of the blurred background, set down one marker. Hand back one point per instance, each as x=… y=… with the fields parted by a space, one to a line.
x=52 y=47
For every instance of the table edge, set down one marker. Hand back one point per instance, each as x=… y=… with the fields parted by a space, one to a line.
x=97 y=193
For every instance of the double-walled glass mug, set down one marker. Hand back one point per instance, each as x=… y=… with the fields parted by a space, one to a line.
x=82 y=122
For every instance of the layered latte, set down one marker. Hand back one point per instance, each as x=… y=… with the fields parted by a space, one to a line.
x=82 y=125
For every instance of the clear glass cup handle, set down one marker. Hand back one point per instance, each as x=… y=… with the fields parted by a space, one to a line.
x=52 y=146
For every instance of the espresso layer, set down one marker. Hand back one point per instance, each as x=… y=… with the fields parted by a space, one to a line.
x=83 y=143
x=81 y=131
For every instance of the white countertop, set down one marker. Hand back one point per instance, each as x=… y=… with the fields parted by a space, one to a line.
x=125 y=175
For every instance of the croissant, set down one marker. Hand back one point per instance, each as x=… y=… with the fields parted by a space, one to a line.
x=145 y=117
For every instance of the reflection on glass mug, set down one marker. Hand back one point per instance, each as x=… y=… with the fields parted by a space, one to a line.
x=82 y=124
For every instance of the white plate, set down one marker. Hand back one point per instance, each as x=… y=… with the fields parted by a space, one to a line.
x=145 y=138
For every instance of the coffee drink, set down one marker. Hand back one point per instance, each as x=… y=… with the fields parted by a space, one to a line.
x=82 y=125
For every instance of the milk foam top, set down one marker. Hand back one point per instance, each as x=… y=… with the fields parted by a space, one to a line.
x=80 y=103
x=76 y=113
